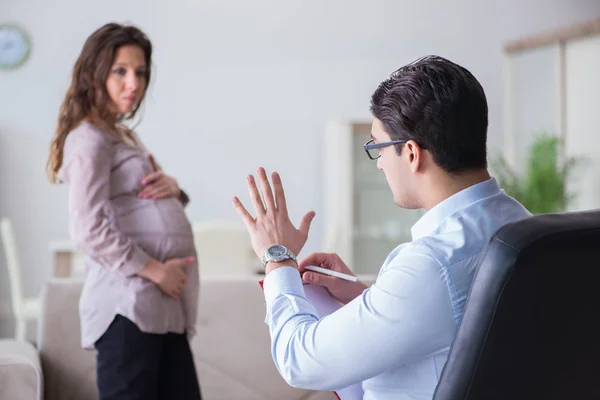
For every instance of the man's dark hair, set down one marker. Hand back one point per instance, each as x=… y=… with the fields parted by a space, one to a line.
x=441 y=106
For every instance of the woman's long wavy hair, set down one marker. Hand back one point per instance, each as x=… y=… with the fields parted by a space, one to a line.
x=87 y=98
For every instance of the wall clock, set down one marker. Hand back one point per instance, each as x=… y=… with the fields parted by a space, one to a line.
x=14 y=46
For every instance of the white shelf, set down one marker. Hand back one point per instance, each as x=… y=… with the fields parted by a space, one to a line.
x=62 y=246
x=365 y=224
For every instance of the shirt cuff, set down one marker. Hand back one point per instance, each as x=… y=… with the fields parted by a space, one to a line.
x=282 y=280
x=138 y=260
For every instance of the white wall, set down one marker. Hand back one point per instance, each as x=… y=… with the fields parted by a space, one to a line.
x=239 y=84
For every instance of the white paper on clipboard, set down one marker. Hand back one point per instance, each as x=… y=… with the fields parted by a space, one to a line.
x=320 y=298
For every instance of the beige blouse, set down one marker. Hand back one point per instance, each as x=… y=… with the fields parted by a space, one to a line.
x=118 y=232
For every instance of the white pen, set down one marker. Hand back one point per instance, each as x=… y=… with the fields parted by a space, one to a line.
x=332 y=273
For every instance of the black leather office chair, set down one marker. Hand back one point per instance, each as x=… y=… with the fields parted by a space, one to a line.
x=531 y=328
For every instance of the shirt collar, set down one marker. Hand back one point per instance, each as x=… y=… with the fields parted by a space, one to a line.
x=436 y=215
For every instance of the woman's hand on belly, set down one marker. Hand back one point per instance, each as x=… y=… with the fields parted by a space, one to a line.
x=158 y=185
x=169 y=276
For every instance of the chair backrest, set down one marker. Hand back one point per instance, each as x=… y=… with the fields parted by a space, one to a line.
x=224 y=248
x=12 y=262
x=530 y=328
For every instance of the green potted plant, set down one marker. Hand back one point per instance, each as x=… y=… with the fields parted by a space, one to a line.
x=543 y=186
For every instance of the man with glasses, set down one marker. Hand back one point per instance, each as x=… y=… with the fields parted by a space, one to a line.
x=429 y=138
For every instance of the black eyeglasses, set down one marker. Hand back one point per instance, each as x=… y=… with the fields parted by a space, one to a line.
x=371 y=148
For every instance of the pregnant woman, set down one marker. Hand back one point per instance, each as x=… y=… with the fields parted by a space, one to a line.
x=139 y=299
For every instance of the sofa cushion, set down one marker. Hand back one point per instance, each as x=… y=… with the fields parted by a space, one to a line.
x=20 y=371
x=231 y=349
x=69 y=370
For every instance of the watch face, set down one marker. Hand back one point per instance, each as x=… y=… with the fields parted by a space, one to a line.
x=277 y=251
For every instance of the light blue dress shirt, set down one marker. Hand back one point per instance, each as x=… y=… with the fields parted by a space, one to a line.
x=395 y=337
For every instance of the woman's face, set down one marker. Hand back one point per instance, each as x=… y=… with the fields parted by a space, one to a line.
x=126 y=82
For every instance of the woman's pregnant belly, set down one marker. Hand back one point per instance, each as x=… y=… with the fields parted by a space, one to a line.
x=162 y=230
x=162 y=217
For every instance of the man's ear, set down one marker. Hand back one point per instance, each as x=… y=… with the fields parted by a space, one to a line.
x=414 y=154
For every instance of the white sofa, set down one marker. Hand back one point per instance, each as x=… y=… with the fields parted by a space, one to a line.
x=231 y=350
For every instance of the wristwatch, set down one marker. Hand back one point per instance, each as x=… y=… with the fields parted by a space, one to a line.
x=278 y=253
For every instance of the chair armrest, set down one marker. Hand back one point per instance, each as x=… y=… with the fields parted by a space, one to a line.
x=20 y=371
